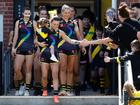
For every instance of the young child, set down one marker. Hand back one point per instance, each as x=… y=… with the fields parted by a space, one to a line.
x=134 y=57
x=132 y=92
x=44 y=23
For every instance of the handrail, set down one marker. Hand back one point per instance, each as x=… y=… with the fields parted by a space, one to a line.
x=7 y=70
x=119 y=81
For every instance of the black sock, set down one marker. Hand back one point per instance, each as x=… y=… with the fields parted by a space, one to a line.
x=44 y=88
x=27 y=86
x=63 y=87
x=55 y=92
x=69 y=88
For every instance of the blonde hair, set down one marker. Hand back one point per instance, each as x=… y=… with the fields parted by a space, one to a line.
x=129 y=88
x=65 y=7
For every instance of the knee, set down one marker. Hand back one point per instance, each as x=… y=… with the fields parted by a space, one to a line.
x=63 y=68
x=70 y=70
x=29 y=71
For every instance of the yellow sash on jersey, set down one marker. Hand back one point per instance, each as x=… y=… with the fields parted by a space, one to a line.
x=60 y=43
x=96 y=51
x=42 y=34
x=90 y=34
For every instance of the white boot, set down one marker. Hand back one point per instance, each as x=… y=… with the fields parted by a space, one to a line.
x=53 y=58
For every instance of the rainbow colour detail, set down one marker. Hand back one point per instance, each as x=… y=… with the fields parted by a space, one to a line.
x=69 y=35
x=53 y=40
x=26 y=36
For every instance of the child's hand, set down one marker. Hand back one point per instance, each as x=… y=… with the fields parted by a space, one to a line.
x=107 y=59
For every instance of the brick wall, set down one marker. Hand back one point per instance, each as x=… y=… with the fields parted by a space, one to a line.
x=6 y=8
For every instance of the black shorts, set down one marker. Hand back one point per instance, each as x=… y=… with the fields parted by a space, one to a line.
x=72 y=52
x=45 y=56
x=98 y=62
x=25 y=51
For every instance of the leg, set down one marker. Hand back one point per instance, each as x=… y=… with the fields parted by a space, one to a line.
x=28 y=73
x=70 y=72
x=19 y=61
x=76 y=70
x=29 y=63
x=37 y=68
x=76 y=79
x=102 y=79
x=44 y=69
x=37 y=74
x=63 y=68
x=55 y=69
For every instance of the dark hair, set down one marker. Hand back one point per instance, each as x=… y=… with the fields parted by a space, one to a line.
x=75 y=10
x=42 y=8
x=137 y=5
x=136 y=44
x=55 y=19
x=90 y=15
x=26 y=8
x=123 y=11
x=99 y=28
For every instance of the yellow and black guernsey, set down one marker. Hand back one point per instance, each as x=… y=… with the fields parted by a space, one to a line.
x=136 y=94
x=25 y=42
x=89 y=35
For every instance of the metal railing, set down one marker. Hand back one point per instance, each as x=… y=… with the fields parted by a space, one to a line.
x=7 y=70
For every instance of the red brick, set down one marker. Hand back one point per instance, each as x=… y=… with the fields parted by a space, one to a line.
x=9 y=4
x=2 y=4
x=10 y=8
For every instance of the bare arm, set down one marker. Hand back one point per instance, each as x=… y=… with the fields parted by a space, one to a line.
x=11 y=35
x=81 y=27
x=66 y=38
x=15 y=34
x=138 y=35
x=78 y=33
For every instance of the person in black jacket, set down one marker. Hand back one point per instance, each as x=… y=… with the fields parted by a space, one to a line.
x=123 y=34
x=134 y=57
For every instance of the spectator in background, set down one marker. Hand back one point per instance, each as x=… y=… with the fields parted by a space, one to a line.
x=134 y=57
x=96 y=58
x=132 y=93
x=88 y=32
x=111 y=17
x=136 y=10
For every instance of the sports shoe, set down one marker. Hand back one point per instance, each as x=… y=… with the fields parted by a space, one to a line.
x=45 y=93
x=21 y=90
x=53 y=58
x=62 y=93
x=17 y=93
x=77 y=90
x=70 y=93
x=55 y=99
x=26 y=93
